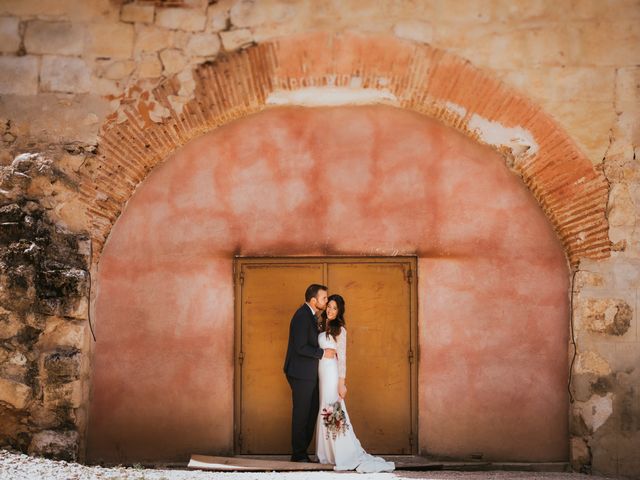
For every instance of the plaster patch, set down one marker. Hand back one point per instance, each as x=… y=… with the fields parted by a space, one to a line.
x=331 y=96
x=519 y=140
x=455 y=108
x=596 y=410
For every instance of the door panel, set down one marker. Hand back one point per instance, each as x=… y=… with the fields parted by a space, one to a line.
x=378 y=303
x=270 y=296
x=378 y=296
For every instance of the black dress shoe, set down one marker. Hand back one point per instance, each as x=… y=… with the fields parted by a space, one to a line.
x=300 y=459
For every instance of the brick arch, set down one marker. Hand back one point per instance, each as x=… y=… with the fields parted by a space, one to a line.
x=367 y=69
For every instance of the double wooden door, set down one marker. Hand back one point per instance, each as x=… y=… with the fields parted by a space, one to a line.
x=381 y=348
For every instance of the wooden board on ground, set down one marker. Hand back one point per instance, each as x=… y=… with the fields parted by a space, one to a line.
x=281 y=464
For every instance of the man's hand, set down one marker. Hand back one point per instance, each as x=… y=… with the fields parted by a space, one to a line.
x=329 y=353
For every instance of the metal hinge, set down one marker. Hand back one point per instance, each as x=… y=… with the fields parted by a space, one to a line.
x=412 y=439
x=241 y=357
x=411 y=357
x=240 y=441
x=409 y=275
x=241 y=278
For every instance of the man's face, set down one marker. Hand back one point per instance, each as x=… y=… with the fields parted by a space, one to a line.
x=320 y=300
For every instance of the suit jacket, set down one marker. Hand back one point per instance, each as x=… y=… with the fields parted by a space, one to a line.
x=303 y=351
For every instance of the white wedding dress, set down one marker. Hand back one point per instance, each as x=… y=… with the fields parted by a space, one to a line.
x=345 y=451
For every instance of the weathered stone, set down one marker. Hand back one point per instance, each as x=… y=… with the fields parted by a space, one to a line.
x=19 y=75
x=621 y=208
x=580 y=453
x=116 y=70
x=14 y=393
x=608 y=316
x=235 y=39
x=218 y=15
x=59 y=38
x=64 y=74
x=62 y=366
x=9 y=34
x=249 y=13
x=10 y=325
x=110 y=40
x=173 y=60
x=150 y=38
x=149 y=66
x=188 y=19
x=416 y=30
x=203 y=45
x=596 y=411
x=585 y=278
x=591 y=362
x=58 y=445
x=134 y=12
x=65 y=394
x=85 y=11
x=60 y=332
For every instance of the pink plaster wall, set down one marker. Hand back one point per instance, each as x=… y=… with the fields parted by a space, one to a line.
x=355 y=181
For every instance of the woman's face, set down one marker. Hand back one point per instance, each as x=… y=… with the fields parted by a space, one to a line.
x=332 y=310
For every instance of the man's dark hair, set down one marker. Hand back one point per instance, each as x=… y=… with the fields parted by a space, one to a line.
x=312 y=291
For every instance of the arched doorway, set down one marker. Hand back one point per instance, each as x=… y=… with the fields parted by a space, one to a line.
x=360 y=181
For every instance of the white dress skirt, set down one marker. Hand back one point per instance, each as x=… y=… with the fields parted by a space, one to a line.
x=345 y=451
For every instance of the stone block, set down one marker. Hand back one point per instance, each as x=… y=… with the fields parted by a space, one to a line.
x=9 y=34
x=173 y=60
x=63 y=365
x=61 y=332
x=591 y=362
x=580 y=453
x=65 y=394
x=58 y=38
x=82 y=11
x=150 y=38
x=14 y=393
x=189 y=19
x=64 y=74
x=57 y=445
x=249 y=13
x=110 y=40
x=234 y=39
x=115 y=70
x=203 y=45
x=18 y=75
x=134 y=12
x=622 y=210
x=218 y=15
x=414 y=30
x=607 y=316
x=149 y=66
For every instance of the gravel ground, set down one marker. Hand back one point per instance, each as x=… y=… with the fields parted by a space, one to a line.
x=17 y=466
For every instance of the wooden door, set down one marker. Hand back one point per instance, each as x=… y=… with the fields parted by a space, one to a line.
x=381 y=374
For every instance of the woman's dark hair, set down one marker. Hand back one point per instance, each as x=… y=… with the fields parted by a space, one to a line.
x=333 y=327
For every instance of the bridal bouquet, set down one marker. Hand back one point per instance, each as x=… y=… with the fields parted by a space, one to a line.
x=334 y=420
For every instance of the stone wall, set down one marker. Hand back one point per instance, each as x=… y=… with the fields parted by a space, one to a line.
x=65 y=71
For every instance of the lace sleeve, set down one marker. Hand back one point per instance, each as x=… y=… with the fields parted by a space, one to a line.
x=342 y=353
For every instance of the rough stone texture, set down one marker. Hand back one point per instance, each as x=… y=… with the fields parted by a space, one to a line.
x=19 y=75
x=189 y=19
x=203 y=45
x=133 y=12
x=414 y=30
x=43 y=290
x=173 y=60
x=149 y=66
x=64 y=74
x=9 y=34
x=110 y=40
x=59 y=38
x=150 y=38
x=234 y=39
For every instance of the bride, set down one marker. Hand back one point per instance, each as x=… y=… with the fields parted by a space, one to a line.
x=339 y=446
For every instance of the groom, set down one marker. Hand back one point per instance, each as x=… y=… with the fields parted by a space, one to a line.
x=301 y=369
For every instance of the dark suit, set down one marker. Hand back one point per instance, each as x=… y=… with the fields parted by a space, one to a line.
x=301 y=368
